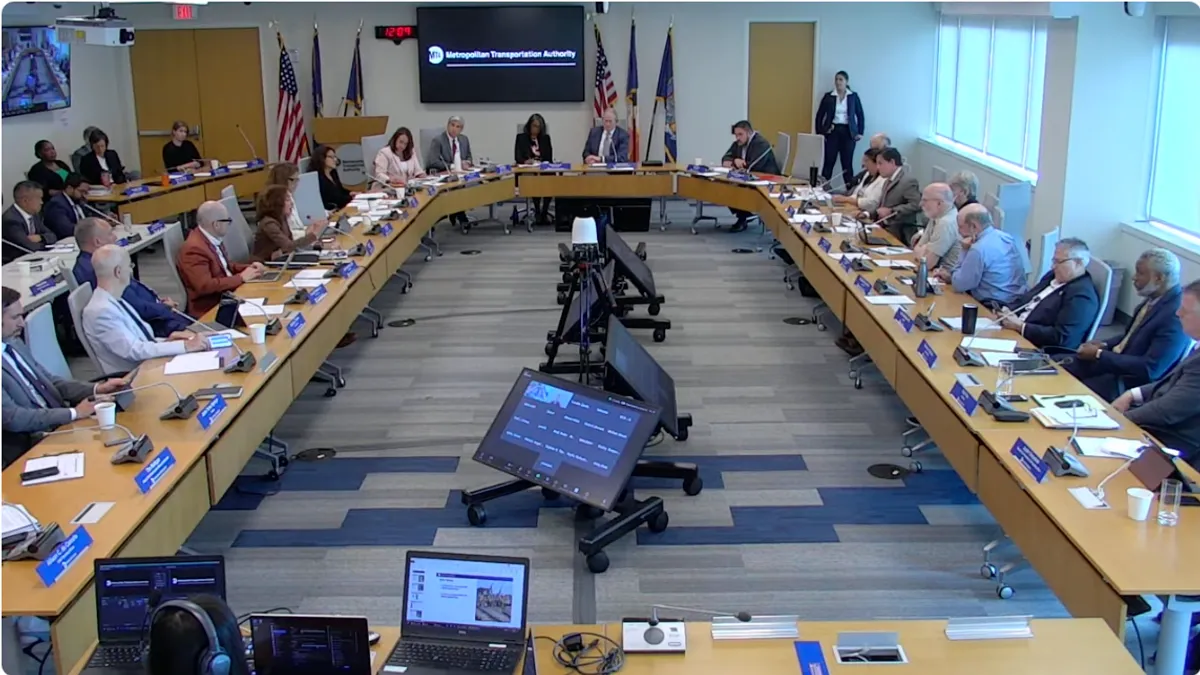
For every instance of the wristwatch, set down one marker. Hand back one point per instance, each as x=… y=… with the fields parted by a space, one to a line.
x=1099 y=351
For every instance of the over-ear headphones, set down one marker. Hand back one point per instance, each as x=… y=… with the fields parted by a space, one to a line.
x=213 y=660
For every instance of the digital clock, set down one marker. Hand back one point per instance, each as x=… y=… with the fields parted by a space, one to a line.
x=395 y=33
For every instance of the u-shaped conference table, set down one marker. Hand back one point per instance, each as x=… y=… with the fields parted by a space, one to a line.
x=1089 y=558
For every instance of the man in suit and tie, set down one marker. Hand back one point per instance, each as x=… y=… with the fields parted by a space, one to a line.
x=749 y=152
x=204 y=265
x=1154 y=341
x=1059 y=311
x=119 y=337
x=607 y=142
x=1167 y=407
x=63 y=211
x=22 y=223
x=35 y=400
x=901 y=199
x=451 y=151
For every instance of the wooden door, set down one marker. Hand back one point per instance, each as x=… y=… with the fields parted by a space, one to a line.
x=780 y=92
x=164 y=90
x=229 y=78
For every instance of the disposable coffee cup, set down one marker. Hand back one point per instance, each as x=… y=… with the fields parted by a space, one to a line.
x=970 y=313
x=106 y=415
x=699 y=161
x=258 y=333
x=213 y=164
x=835 y=219
x=1139 y=502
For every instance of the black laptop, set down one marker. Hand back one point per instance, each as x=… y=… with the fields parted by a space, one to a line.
x=300 y=644
x=462 y=614
x=126 y=589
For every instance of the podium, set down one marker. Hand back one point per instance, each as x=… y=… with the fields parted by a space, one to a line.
x=345 y=134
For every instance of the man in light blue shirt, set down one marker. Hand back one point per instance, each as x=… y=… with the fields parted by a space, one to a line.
x=994 y=265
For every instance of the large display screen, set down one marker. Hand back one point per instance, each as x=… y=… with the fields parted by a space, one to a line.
x=576 y=440
x=650 y=383
x=501 y=54
x=37 y=70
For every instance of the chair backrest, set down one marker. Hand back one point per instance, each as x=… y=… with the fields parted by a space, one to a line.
x=520 y=128
x=76 y=301
x=371 y=145
x=992 y=204
x=42 y=339
x=810 y=152
x=69 y=277
x=307 y=198
x=783 y=149
x=303 y=164
x=228 y=191
x=1046 y=255
x=172 y=242
x=1102 y=278
x=939 y=175
x=238 y=239
x=427 y=135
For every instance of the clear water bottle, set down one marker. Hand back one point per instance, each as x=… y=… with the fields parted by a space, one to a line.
x=921 y=283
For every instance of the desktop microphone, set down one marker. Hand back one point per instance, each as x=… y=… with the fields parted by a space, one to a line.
x=884 y=287
x=273 y=324
x=359 y=248
x=1098 y=491
x=134 y=448
x=253 y=152
x=384 y=182
x=656 y=635
x=18 y=246
x=744 y=617
x=184 y=408
x=1060 y=460
x=245 y=361
x=102 y=214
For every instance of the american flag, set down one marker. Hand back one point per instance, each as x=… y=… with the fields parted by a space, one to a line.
x=605 y=96
x=289 y=116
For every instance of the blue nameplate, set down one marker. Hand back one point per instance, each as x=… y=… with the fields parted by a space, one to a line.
x=42 y=286
x=255 y=163
x=317 y=294
x=211 y=411
x=295 y=325
x=370 y=247
x=812 y=658
x=1030 y=460
x=503 y=168
x=403 y=216
x=903 y=319
x=806 y=227
x=791 y=211
x=824 y=244
x=347 y=269
x=622 y=165
x=158 y=467
x=386 y=228
x=431 y=191
x=964 y=398
x=863 y=285
x=740 y=175
x=122 y=242
x=555 y=166
x=474 y=175
x=413 y=203
x=221 y=171
x=157 y=226
x=927 y=353
x=63 y=556
x=845 y=262
x=698 y=168
x=782 y=197
x=136 y=190
x=181 y=178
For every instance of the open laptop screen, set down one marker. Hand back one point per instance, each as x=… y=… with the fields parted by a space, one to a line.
x=293 y=644
x=469 y=597
x=124 y=587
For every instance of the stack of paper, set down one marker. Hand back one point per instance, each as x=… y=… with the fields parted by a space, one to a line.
x=891 y=250
x=17 y=522
x=1074 y=418
x=847 y=256
x=890 y=300
x=988 y=344
x=70 y=465
x=1119 y=448
x=900 y=264
x=994 y=359
x=304 y=283
x=1050 y=400
x=194 y=362
x=808 y=218
x=257 y=307
x=309 y=274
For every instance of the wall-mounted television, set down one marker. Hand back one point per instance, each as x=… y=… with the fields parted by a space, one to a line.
x=37 y=70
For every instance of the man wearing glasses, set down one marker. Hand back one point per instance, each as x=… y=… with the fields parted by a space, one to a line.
x=1059 y=311
x=993 y=265
x=204 y=265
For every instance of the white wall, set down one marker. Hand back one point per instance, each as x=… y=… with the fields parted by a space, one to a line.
x=710 y=61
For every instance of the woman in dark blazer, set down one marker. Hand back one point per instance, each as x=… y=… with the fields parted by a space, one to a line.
x=49 y=172
x=101 y=162
x=532 y=147
x=840 y=120
x=274 y=239
x=324 y=161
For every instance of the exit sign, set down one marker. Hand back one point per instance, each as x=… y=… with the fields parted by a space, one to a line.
x=184 y=12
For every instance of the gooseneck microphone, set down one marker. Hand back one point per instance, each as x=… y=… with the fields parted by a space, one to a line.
x=184 y=408
x=273 y=324
x=253 y=152
x=245 y=361
x=744 y=617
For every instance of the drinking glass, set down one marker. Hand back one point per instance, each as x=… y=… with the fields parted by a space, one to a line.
x=1004 y=379
x=1169 y=496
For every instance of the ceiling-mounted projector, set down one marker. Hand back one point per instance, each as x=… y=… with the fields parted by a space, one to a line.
x=105 y=29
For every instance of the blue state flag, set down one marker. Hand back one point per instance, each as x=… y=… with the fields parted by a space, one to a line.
x=666 y=94
x=317 y=89
x=352 y=105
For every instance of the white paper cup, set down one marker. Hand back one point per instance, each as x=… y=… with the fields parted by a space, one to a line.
x=835 y=219
x=1139 y=502
x=126 y=219
x=106 y=415
x=213 y=164
x=258 y=333
x=699 y=161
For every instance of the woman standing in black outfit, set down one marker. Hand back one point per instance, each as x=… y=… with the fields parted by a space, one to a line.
x=49 y=172
x=324 y=161
x=180 y=154
x=840 y=120
x=533 y=147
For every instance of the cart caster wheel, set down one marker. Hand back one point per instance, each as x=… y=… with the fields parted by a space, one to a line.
x=549 y=349
x=476 y=515
x=507 y=231
x=642 y=256
x=659 y=522
x=375 y=331
x=548 y=494
x=440 y=253
x=404 y=289
x=693 y=486
x=906 y=451
x=660 y=335
x=858 y=384
x=821 y=327
x=1004 y=592
x=284 y=461
x=598 y=562
x=330 y=392
x=428 y=258
x=561 y=298
x=654 y=309
x=694 y=231
x=341 y=382
x=853 y=374
x=988 y=571
x=683 y=435
x=408 y=286
x=272 y=475
x=915 y=466
x=791 y=287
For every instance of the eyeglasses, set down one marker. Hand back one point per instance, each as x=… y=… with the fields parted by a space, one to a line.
x=224 y=220
x=1059 y=261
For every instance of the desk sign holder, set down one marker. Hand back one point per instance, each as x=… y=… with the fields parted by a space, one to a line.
x=1030 y=460
x=927 y=353
x=211 y=411
x=757 y=628
x=42 y=286
x=989 y=628
x=64 y=556
x=824 y=245
x=157 y=226
x=862 y=284
x=370 y=247
x=153 y=472
x=295 y=326
x=811 y=658
x=964 y=398
x=846 y=264
x=317 y=294
x=903 y=319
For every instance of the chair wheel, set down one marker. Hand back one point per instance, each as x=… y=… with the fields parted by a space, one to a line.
x=791 y=287
x=588 y=512
x=549 y=349
x=915 y=466
x=642 y=255
x=988 y=571
x=821 y=327
x=566 y=277
x=693 y=486
x=598 y=562
x=906 y=451
x=549 y=494
x=529 y=227
x=341 y=382
x=660 y=335
x=561 y=298
x=440 y=253
x=858 y=384
x=272 y=475
x=476 y=515
x=404 y=289
x=375 y=331
x=330 y=392
x=654 y=309
x=428 y=258
x=659 y=522
x=507 y=231
x=1004 y=591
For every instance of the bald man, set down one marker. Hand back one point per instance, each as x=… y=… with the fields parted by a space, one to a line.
x=607 y=142
x=938 y=243
x=880 y=141
x=994 y=264
x=204 y=265
x=119 y=337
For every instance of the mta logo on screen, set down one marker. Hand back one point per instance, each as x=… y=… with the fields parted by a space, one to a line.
x=436 y=55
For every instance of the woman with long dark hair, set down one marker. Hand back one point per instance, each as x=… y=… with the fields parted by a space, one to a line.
x=398 y=162
x=325 y=161
x=840 y=120
x=532 y=147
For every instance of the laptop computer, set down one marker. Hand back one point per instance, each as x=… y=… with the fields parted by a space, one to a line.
x=462 y=614
x=128 y=589
x=298 y=644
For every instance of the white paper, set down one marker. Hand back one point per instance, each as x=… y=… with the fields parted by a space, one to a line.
x=899 y=264
x=1117 y=448
x=981 y=324
x=891 y=250
x=236 y=166
x=850 y=256
x=69 y=466
x=758 y=182
x=967 y=380
x=202 y=174
x=370 y=195
x=1061 y=418
x=250 y=311
x=890 y=300
x=304 y=283
x=17 y=520
x=708 y=174
x=844 y=229
x=994 y=359
x=232 y=333
x=195 y=362
x=92 y=513
x=808 y=218
x=309 y=274
x=719 y=169
x=988 y=344
x=1086 y=498
x=1048 y=401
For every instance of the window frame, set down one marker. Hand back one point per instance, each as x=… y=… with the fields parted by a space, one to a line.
x=1192 y=237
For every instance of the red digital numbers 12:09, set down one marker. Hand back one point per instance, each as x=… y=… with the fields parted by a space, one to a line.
x=396 y=33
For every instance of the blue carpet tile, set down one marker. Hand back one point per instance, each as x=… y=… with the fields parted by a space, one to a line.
x=712 y=466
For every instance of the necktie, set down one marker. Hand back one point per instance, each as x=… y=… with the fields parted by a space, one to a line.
x=1137 y=321
x=604 y=145
x=136 y=319
x=30 y=226
x=453 y=148
x=48 y=393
